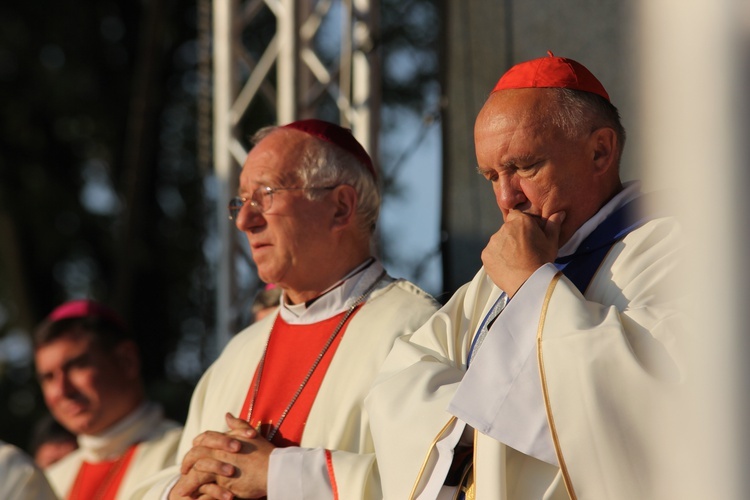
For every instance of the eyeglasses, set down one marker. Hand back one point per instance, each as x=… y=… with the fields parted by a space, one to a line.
x=261 y=199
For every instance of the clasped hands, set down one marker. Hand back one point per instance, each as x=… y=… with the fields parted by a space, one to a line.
x=522 y=245
x=225 y=465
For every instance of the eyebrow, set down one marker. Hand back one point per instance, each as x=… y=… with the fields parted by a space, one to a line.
x=524 y=159
x=66 y=365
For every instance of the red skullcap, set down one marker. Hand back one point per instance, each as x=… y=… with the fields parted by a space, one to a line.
x=336 y=135
x=551 y=72
x=85 y=309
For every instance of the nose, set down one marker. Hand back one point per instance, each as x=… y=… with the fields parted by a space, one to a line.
x=508 y=193
x=249 y=218
x=59 y=387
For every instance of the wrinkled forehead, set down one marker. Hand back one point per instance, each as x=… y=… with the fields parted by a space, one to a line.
x=516 y=113
x=278 y=157
x=526 y=107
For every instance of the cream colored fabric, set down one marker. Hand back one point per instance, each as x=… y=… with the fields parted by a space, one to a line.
x=158 y=440
x=20 y=479
x=612 y=366
x=337 y=420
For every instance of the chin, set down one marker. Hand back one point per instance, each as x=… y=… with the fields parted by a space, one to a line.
x=82 y=427
x=267 y=275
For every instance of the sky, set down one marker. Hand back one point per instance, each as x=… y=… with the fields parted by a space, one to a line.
x=411 y=221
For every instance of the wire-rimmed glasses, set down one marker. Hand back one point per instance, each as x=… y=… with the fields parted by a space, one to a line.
x=261 y=199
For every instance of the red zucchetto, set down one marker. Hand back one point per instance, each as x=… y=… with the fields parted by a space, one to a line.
x=83 y=309
x=551 y=72
x=336 y=135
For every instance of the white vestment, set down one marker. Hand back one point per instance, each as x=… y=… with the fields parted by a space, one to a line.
x=337 y=420
x=580 y=385
x=157 y=438
x=20 y=478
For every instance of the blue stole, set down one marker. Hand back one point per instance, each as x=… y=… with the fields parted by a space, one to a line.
x=581 y=265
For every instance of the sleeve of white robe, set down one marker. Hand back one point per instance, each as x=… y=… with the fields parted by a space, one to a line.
x=408 y=401
x=500 y=395
x=20 y=478
x=296 y=472
x=318 y=474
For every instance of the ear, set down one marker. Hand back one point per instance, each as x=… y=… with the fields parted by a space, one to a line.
x=604 y=149
x=128 y=359
x=345 y=203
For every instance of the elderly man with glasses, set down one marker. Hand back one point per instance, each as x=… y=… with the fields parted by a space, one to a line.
x=294 y=382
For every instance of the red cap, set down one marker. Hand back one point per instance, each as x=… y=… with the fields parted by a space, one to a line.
x=334 y=134
x=551 y=72
x=85 y=309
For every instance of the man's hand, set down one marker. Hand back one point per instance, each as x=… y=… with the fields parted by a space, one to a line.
x=193 y=486
x=200 y=483
x=240 y=450
x=522 y=245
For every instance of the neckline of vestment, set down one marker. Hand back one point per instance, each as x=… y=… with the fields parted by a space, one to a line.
x=108 y=484
x=353 y=307
x=336 y=300
x=631 y=190
x=113 y=442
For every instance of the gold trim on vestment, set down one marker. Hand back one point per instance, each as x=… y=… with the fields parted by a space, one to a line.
x=471 y=488
x=427 y=458
x=466 y=485
x=550 y=417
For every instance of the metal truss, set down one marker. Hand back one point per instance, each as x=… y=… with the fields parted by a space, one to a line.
x=310 y=80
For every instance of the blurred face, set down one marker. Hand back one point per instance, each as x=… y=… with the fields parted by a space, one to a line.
x=291 y=241
x=266 y=311
x=86 y=388
x=533 y=166
x=52 y=451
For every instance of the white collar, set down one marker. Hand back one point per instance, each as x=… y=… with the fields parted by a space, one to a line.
x=336 y=299
x=631 y=190
x=113 y=442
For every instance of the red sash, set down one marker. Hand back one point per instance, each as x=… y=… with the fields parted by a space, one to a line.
x=101 y=480
x=291 y=352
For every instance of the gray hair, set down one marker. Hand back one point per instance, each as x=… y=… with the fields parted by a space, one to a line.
x=578 y=113
x=324 y=164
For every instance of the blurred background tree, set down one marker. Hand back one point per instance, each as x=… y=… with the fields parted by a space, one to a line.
x=101 y=192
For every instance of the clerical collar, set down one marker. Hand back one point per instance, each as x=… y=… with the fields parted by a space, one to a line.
x=631 y=190
x=336 y=299
x=113 y=442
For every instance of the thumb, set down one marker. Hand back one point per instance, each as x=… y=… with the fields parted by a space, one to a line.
x=237 y=424
x=554 y=224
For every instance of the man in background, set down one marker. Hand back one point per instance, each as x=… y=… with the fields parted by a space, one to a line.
x=266 y=302
x=50 y=442
x=89 y=371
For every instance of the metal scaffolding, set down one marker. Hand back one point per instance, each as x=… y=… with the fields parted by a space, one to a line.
x=309 y=80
